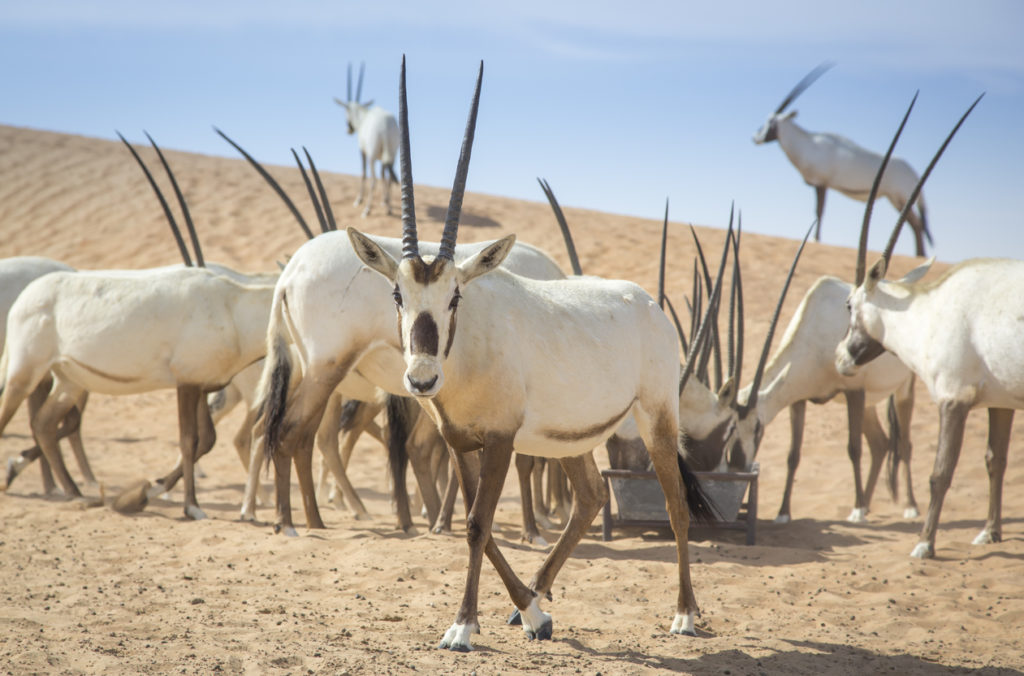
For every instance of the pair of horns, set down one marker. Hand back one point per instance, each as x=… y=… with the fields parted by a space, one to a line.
x=359 y=86
x=891 y=244
x=321 y=205
x=808 y=80
x=163 y=203
x=410 y=242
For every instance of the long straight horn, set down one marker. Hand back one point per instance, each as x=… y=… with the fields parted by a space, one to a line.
x=862 y=247
x=804 y=84
x=661 y=265
x=163 y=203
x=348 y=89
x=574 y=260
x=410 y=243
x=451 y=221
x=679 y=326
x=273 y=184
x=756 y=384
x=332 y=224
x=736 y=309
x=324 y=227
x=181 y=202
x=887 y=254
x=715 y=339
x=359 y=84
x=697 y=344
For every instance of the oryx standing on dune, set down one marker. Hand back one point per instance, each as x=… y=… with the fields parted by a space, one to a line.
x=571 y=360
x=832 y=161
x=377 y=132
x=961 y=335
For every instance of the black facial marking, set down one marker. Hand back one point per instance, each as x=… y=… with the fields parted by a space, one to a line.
x=423 y=337
x=862 y=347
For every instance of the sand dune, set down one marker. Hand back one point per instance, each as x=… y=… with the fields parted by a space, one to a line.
x=90 y=590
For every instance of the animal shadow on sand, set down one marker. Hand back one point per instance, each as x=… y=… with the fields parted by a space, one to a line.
x=438 y=214
x=807 y=657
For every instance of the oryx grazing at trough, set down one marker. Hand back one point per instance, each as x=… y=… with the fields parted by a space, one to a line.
x=127 y=332
x=15 y=274
x=832 y=161
x=548 y=368
x=960 y=334
x=377 y=133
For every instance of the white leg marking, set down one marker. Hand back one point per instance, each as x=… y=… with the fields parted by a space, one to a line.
x=457 y=638
x=984 y=538
x=683 y=624
x=923 y=550
x=536 y=623
x=858 y=515
x=195 y=513
x=782 y=518
x=911 y=513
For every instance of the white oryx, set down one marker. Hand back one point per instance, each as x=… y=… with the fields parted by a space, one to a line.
x=803 y=369
x=833 y=161
x=377 y=133
x=15 y=274
x=127 y=332
x=960 y=335
x=548 y=368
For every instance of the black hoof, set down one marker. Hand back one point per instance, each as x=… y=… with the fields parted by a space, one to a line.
x=542 y=634
x=514 y=618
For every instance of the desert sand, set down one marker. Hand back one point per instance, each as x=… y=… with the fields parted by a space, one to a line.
x=88 y=590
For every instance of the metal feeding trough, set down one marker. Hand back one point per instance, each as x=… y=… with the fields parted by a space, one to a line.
x=641 y=502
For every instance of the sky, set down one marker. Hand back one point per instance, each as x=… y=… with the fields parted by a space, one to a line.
x=620 y=106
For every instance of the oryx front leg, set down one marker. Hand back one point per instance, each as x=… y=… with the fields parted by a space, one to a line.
x=482 y=491
x=1000 y=420
x=362 y=181
x=191 y=439
x=796 y=437
x=58 y=404
x=952 y=418
x=524 y=470
x=373 y=186
x=819 y=209
x=855 y=418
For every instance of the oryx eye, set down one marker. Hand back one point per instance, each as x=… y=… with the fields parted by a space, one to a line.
x=455 y=300
x=848 y=307
x=397 y=295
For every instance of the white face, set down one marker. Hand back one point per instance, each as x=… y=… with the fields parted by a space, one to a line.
x=427 y=298
x=767 y=132
x=858 y=347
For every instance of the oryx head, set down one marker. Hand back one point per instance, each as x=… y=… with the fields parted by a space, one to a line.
x=744 y=439
x=354 y=110
x=427 y=290
x=864 y=336
x=769 y=131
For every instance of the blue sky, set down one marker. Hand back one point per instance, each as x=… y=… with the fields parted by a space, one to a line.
x=619 y=105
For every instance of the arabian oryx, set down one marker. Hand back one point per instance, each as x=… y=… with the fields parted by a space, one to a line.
x=803 y=369
x=15 y=275
x=547 y=368
x=832 y=161
x=377 y=132
x=960 y=334
x=127 y=332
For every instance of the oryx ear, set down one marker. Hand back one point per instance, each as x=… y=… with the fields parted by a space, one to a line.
x=367 y=104
x=727 y=393
x=341 y=103
x=484 y=261
x=788 y=116
x=875 y=274
x=918 y=272
x=280 y=265
x=373 y=255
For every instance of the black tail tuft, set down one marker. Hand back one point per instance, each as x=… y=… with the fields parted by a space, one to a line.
x=702 y=508
x=398 y=424
x=274 y=406
x=348 y=414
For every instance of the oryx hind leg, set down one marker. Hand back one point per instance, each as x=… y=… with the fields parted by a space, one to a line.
x=362 y=181
x=904 y=400
x=62 y=398
x=660 y=434
x=524 y=471
x=188 y=439
x=878 y=446
x=443 y=523
x=1000 y=421
x=334 y=461
x=797 y=413
x=952 y=419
